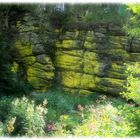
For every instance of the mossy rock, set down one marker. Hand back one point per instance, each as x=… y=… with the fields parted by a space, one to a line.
x=66 y=61
x=90 y=45
x=38 y=49
x=88 y=81
x=118 y=41
x=109 y=90
x=115 y=45
x=29 y=60
x=90 y=62
x=134 y=57
x=76 y=53
x=71 y=79
x=89 y=37
x=39 y=73
x=24 y=50
x=39 y=78
x=111 y=82
x=69 y=35
x=69 y=44
x=116 y=54
x=117 y=75
x=42 y=59
x=77 y=80
x=96 y=68
x=77 y=91
x=46 y=68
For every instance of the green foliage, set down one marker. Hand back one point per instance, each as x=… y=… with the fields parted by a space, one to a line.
x=86 y=13
x=8 y=34
x=105 y=117
x=5 y=107
x=133 y=82
x=103 y=121
x=23 y=117
x=96 y=115
x=132 y=24
x=58 y=100
x=101 y=115
x=1 y=129
x=132 y=116
x=59 y=18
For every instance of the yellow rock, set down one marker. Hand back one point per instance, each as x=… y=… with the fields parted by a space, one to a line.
x=87 y=81
x=71 y=79
x=78 y=80
x=24 y=50
x=66 y=61
x=69 y=44
x=89 y=45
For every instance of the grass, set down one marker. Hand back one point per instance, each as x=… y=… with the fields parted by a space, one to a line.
x=72 y=115
x=80 y=115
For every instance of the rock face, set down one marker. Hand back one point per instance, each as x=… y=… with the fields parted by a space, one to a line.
x=32 y=57
x=93 y=59
x=85 y=59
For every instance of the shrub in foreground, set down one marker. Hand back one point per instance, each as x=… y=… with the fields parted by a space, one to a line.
x=25 y=118
x=104 y=119
x=133 y=82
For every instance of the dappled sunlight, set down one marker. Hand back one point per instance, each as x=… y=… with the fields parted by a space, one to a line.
x=69 y=70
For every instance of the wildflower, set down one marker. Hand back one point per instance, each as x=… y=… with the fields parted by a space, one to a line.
x=80 y=107
x=45 y=102
x=10 y=125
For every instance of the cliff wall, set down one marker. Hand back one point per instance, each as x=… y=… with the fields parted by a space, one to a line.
x=94 y=58
x=86 y=59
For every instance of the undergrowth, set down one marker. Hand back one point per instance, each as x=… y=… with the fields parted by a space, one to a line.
x=93 y=115
x=68 y=115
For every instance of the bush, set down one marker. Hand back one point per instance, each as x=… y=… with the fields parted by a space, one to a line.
x=5 y=107
x=22 y=117
x=1 y=129
x=103 y=121
x=106 y=117
x=133 y=83
x=29 y=117
x=132 y=116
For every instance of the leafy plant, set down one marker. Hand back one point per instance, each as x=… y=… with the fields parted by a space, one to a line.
x=132 y=116
x=103 y=121
x=30 y=119
x=1 y=129
x=5 y=107
x=133 y=83
x=105 y=117
x=22 y=117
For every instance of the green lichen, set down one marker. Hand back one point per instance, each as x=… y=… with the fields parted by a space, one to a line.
x=89 y=45
x=69 y=44
x=71 y=79
x=87 y=81
x=117 y=75
x=111 y=82
x=66 y=61
x=91 y=64
x=120 y=53
x=29 y=60
x=82 y=64
x=85 y=92
x=78 y=80
x=117 y=68
x=24 y=50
